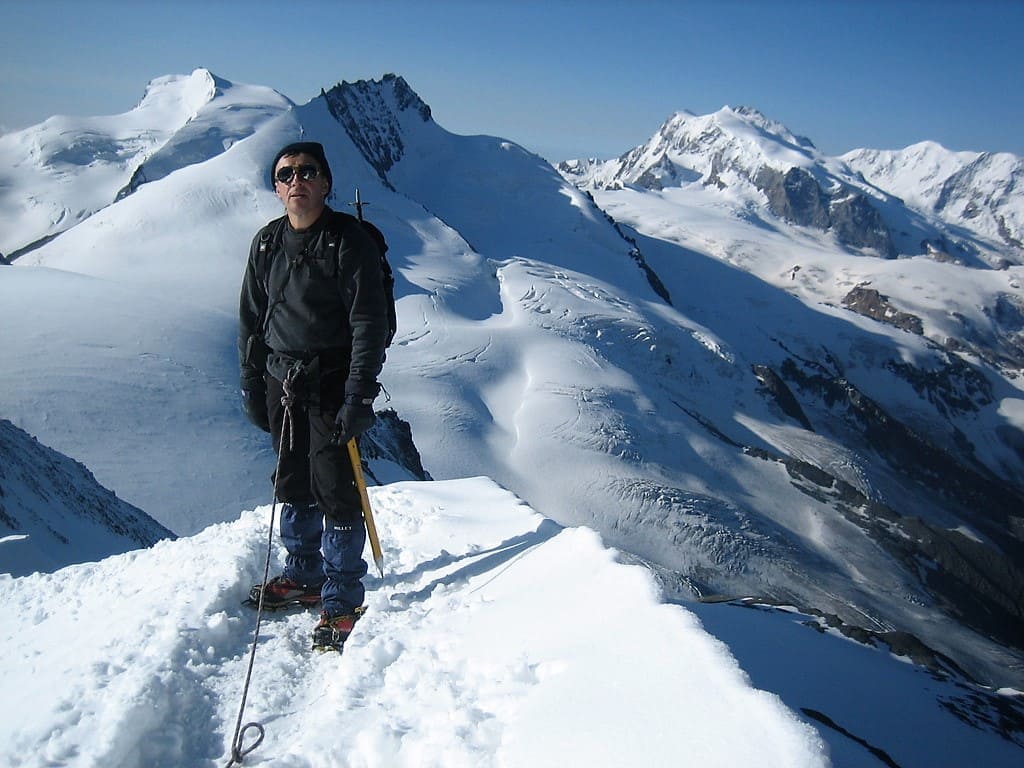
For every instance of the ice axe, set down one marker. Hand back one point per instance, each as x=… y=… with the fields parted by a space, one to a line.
x=358 y=205
x=371 y=526
x=357 y=463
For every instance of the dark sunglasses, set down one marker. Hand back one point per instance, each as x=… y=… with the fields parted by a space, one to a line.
x=286 y=173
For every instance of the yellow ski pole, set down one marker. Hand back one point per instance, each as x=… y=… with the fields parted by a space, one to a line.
x=371 y=527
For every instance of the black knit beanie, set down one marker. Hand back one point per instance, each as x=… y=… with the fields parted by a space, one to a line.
x=312 y=148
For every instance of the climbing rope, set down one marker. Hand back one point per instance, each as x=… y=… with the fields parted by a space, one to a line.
x=237 y=752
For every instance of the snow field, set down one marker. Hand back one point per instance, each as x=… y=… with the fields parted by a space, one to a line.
x=495 y=638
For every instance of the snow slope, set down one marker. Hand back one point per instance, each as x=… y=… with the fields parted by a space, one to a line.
x=496 y=638
x=53 y=512
x=532 y=349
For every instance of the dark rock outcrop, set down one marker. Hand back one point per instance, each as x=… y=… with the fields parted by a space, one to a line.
x=369 y=112
x=871 y=303
x=797 y=197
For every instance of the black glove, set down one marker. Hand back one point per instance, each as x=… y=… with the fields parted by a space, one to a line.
x=355 y=417
x=254 y=403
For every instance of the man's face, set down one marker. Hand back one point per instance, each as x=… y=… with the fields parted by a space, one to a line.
x=301 y=197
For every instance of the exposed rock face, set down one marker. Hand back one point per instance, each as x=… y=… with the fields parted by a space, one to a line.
x=778 y=391
x=870 y=303
x=390 y=439
x=797 y=197
x=371 y=113
x=635 y=253
x=137 y=180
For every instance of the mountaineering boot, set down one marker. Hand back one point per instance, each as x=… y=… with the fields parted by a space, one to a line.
x=282 y=592
x=303 y=577
x=332 y=631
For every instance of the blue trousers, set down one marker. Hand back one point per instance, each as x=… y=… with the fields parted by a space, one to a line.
x=329 y=554
x=321 y=517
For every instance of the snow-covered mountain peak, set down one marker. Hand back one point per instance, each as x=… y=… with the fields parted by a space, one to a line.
x=180 y=97
x=391 y=93
x=743 y=134
x=915 y=172
x=888 y=203
x=742 y=119
x=978 y=191
x=727 y=148
x=375 y=114
x=83 y=164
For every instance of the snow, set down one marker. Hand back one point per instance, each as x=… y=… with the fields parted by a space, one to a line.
x=531 y=356
x=831 y=674
x=78 y=165
x=495 y=638
x=976 y=190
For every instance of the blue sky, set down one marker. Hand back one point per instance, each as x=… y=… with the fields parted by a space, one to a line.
x=565 y=79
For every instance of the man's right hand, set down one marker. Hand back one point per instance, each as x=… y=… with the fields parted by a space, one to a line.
x=255 y=406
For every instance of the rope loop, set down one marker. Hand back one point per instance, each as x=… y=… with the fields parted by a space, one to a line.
x=290 y=386
x=237 y=753
x=289 y=398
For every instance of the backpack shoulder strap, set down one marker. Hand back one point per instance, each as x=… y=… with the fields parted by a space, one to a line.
x=337 y=224
x=269 y=238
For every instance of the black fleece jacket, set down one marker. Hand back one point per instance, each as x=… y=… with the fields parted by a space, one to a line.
x=321 y=292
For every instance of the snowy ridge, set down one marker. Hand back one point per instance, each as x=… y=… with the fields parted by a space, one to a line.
x=80 y=165
x=487 y=643
x=225 y=113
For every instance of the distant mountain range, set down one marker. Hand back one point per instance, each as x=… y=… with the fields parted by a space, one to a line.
x=960 y=206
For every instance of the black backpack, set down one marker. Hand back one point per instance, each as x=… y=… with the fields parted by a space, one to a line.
x=385 y=270
x=334 y=229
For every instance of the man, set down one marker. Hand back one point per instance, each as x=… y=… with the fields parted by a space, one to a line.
x=312 y=332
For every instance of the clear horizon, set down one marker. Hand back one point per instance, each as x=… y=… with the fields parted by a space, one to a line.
x=564 y=79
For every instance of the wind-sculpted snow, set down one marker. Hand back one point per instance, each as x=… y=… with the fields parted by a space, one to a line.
x=495 y=638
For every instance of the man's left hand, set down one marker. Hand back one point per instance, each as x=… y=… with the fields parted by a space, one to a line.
x=355 y=417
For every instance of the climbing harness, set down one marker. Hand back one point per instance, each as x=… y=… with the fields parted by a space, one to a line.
x=288 y=400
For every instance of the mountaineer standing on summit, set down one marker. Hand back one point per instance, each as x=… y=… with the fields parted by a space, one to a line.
x=313 y=326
